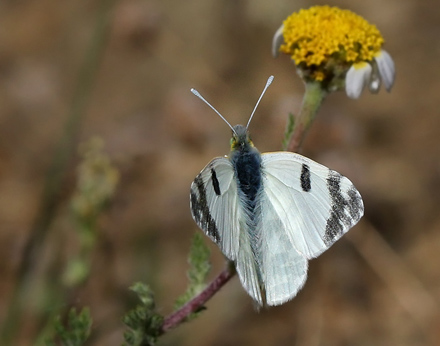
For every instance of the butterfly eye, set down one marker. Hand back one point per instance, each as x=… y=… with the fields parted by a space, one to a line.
x=233 y=143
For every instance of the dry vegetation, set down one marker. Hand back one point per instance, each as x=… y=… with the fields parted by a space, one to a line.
x=380 y=285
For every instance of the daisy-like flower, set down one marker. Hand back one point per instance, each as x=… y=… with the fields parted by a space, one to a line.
x=337 y=48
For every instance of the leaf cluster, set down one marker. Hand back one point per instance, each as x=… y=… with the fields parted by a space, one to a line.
x=75 y=331
x=143 y=321
x=198 y=271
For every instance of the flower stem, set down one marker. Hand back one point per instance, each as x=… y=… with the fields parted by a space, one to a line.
x=313 y=97
x=194 y=305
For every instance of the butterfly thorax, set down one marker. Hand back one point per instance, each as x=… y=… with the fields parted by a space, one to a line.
x=246 y=160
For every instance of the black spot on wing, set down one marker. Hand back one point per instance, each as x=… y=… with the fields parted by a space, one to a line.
x=355 y=204
x=200 y=209
x=215 y=182
x=334 y=227
x=344 y=212
x=306 y=183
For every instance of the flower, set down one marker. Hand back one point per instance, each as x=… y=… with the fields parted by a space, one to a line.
x=337 y=48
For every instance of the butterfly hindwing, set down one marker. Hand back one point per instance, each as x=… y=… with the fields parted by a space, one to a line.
x=283 y=268
x=316 y=205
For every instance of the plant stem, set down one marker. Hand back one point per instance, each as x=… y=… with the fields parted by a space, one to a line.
x=312 y=100
x=179 y=316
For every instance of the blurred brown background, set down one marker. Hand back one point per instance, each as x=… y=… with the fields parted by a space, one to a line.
x=379 y=285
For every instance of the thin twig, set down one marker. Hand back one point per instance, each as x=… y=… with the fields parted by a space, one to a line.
x=194 y=305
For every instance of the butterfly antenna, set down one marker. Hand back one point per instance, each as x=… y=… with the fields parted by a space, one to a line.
x=269 y=82
x=195 y=92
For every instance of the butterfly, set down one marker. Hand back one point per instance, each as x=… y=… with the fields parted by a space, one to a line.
x=270 y=213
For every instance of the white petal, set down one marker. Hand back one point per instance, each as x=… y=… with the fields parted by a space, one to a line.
x=386 y=68
x=277 y=41
x=357 y=77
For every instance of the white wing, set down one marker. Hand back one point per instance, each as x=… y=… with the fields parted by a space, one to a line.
x=316 y=204
x=305 y=208
x=216 y=209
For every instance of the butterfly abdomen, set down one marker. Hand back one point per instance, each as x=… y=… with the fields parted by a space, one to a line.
x=247 y=170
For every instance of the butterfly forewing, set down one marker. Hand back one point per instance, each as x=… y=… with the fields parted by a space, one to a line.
x=316 y=205
x=216 y=209
x=214 y=205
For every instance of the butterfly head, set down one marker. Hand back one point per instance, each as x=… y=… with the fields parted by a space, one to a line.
x=241 y=141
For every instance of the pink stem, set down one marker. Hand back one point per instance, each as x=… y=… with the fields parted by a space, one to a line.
x=179 y=316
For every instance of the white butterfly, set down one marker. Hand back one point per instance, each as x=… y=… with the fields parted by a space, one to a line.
x=271 y=213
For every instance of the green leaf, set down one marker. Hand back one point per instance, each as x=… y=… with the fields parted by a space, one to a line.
x=198 y=270
x=143 y=321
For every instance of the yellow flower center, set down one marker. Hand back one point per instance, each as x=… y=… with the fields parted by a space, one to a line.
x=315 y=35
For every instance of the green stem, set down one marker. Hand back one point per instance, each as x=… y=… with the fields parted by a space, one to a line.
x=313 y=97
